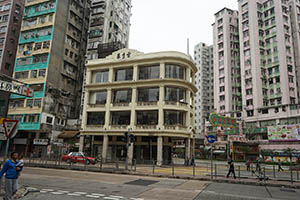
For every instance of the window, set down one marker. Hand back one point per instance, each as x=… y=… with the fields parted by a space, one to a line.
x=175 y=71
x=95 y=118
x=101 y=77
x=148 y=94
x=175 y=94
x=120 y=118
x=21 y=75
x=124 y=74
x=31 y=118
x=33 y=74
x=49 y=120
x=174 y=117
x=42 y=73
x=222 y=89
x=37 y=102
x=122 y=96
x=95 y=33
x=18 y=103
x=147 y=117
x=98 y=97
x=41 y=58
x=38 y=46
x=149 y=72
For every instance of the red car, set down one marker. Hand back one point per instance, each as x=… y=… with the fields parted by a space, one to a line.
x=78 y=157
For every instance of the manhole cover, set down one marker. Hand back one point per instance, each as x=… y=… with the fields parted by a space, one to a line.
x=142 y=182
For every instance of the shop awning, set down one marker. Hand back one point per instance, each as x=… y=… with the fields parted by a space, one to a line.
x=68 y=134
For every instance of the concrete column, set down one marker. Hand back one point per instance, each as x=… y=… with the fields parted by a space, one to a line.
x=161 y=111
x=188 y=148
x=135 y=73
x=159 y=150
x=110 y=75
x=89 y=77
x=104 y=148
x=162 y=70
x=130 y=153
x=133 y=100
x=81 y=143
x=108 y=102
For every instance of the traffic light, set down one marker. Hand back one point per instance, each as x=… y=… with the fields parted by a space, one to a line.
x=131 y=138
x=125 y=138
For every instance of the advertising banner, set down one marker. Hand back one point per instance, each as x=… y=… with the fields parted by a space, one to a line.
x=284 y=133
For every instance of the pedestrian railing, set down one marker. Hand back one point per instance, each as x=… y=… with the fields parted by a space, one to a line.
x=198 y=169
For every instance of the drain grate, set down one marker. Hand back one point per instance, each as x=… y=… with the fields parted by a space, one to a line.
x=141 y=182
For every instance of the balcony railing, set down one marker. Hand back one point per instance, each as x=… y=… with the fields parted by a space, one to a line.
x=147 y=103
x=119 y=126
x=121 y=104
x=146 y=127
x=96 y=105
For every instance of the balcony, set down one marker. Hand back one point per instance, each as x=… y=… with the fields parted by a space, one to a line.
x=175 y=127
x=40 y=9
x=125 y=104
x=119 y=126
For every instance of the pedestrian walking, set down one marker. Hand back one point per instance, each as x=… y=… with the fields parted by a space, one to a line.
x=231 y=169
x=258 y=168
x=279 y=165
x=248 y=164
x=10 y=171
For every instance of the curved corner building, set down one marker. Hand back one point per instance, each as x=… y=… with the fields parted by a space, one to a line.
x=148 y=95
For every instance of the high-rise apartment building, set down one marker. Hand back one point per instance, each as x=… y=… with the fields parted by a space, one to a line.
x=50 y=59
x=11 y=12
x=204 y=80
x=227 y=76
x=109 y=23
x=269 y=43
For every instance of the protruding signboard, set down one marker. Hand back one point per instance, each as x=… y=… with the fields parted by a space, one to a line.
x=222 y=121
x=16 y=89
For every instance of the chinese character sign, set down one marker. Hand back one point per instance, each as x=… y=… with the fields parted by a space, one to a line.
x=284 y=132
x=222 y=121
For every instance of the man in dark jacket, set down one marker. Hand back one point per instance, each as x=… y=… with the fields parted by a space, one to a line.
x=10 y=171
x=231 y=169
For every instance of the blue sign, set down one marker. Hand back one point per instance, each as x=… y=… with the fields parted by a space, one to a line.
x=211 y=139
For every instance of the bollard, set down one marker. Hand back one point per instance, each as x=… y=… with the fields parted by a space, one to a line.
x=251 y=170
x=216 y=170
x=194 y=169
x=100 y=164
x=173 y=169
x=153 y=165
x=134 y=162
x=291 y=176
x=264 y=174
x=274 y=173
x=297 y=174
x=117 y=164
x=239 y=167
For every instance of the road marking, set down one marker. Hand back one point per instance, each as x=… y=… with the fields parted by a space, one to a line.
x=136 y=199
x=43 y=191
x=56 y=193
x=96 y=194
x=72 y=194
x=80 y=193
x=111 y=198
x=62 y=191
x=48 y=190
x=93 y=196
x=118 y=197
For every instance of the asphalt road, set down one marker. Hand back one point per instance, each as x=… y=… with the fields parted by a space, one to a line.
x=51 y=184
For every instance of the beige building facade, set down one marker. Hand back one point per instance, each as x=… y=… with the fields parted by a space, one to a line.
x=148 y=95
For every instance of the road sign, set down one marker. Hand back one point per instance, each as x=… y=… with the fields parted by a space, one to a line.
x=211 y=139
x=16 y=89
x=8 y=128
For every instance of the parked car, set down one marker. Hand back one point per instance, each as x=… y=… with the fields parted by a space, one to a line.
x=78 y=157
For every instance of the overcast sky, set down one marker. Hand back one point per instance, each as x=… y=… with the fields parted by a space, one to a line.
x=161 y=25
